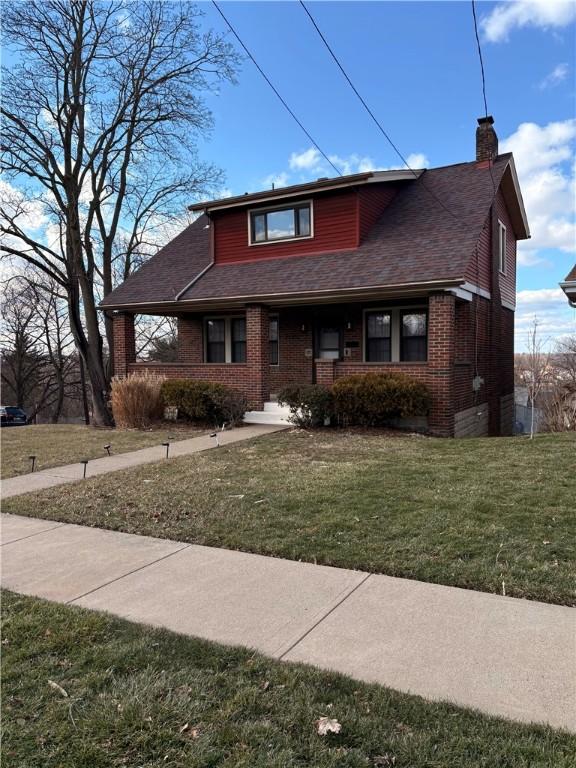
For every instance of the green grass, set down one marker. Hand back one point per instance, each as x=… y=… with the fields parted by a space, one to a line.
x=58 y=444
x=133 y=690
x=468 y=513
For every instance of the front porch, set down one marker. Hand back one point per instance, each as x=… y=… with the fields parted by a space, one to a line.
x=260 y=349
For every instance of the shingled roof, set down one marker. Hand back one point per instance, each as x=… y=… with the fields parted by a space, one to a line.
x=427 y=235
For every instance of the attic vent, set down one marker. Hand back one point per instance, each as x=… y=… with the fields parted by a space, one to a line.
x=323 y=178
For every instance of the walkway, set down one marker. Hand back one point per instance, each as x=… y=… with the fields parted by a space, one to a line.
x=71 y=473
x=504 y=656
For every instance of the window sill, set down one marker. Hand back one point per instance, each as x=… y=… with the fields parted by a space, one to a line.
x=282 y=240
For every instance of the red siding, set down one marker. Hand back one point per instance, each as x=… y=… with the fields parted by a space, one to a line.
x=342 y=219
x=335 y=228
x=507 y=281
x=480 y=272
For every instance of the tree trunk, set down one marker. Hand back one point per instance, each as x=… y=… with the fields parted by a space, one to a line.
x=59 y=400
x=84 y=393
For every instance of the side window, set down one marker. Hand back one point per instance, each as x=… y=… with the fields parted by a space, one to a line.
x=502 y=248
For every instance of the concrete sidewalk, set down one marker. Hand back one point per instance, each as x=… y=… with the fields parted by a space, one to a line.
x=506 y=657
x=71 y=473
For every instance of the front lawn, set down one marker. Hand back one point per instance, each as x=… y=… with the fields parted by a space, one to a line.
x=487 y=514
x=58 y=444
x=82 y=689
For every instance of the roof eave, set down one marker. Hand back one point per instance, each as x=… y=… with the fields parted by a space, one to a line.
x=296 y=190
x=298 y=297
x=514 y=201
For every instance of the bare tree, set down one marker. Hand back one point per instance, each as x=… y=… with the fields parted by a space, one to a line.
x=536 y=369
x=101 y=113
x=39 y=367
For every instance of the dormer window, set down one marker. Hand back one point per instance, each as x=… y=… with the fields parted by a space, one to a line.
x=286 y=223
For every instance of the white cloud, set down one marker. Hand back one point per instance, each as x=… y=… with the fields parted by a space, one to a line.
x=548 y=183
x=544 y=14
x=276 y=180
x=311 y=162
x=550 y=308
x=558 y=74
x=308 y=160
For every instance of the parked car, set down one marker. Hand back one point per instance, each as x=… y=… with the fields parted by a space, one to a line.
x=11 y=416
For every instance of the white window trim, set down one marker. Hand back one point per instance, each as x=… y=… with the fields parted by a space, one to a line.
x=395 y=331
x=502 y=246
x=272 y=208
x=275 y=316
x=227 y=337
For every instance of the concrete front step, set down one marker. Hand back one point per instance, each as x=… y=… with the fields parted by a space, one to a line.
x=273 y=407
x=272 y=414
x=265 y=417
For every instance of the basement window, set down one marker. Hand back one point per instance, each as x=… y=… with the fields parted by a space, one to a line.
x=271 y=225
x=501 y=248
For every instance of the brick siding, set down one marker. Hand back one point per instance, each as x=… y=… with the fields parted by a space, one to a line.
x=462 y=341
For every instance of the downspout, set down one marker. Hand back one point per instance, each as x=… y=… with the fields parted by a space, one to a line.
x=206 y=268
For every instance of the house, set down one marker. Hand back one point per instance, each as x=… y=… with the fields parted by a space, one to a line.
x=569 y=286
x=411 y=271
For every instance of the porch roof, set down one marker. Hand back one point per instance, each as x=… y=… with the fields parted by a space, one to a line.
x=426 y=237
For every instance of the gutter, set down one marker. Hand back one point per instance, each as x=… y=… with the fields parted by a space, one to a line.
x=570 y=288
x=430 y=285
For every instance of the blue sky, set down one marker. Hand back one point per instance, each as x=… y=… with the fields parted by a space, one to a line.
x=417 y=66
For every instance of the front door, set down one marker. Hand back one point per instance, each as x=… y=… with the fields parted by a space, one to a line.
x=328 y=342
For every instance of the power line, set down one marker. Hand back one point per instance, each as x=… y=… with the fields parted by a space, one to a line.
x=479 y=47
x=265 y=76
x=371 y=113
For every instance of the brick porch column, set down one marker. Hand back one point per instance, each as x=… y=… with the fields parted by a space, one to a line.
x=441 y=355
x=124 y=342
x=258 y=355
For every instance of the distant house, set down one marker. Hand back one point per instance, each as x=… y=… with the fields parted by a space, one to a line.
x=569 y=286
x=378 y=271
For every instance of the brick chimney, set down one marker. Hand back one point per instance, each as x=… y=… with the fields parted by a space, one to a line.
x=486 y=140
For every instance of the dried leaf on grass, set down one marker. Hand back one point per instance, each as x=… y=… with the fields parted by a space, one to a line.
x=327 y=725
x=58 y=688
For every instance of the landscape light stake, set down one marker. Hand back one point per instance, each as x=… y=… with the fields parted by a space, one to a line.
x=167 y=446
x=85 y=462
x=107 y=448
x=33 y=460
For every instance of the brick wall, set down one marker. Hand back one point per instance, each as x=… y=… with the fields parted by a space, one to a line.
x=191 y=339
x=462 y=340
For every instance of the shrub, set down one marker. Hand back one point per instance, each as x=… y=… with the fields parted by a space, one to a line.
x=310 y=404
x=374 y=399
x=205 y=401
x=136 y=400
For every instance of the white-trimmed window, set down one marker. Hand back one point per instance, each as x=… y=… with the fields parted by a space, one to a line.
x=396 y=335
x=267 y=225
x=501 y=247
x=225 y=339
x=378 y=343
